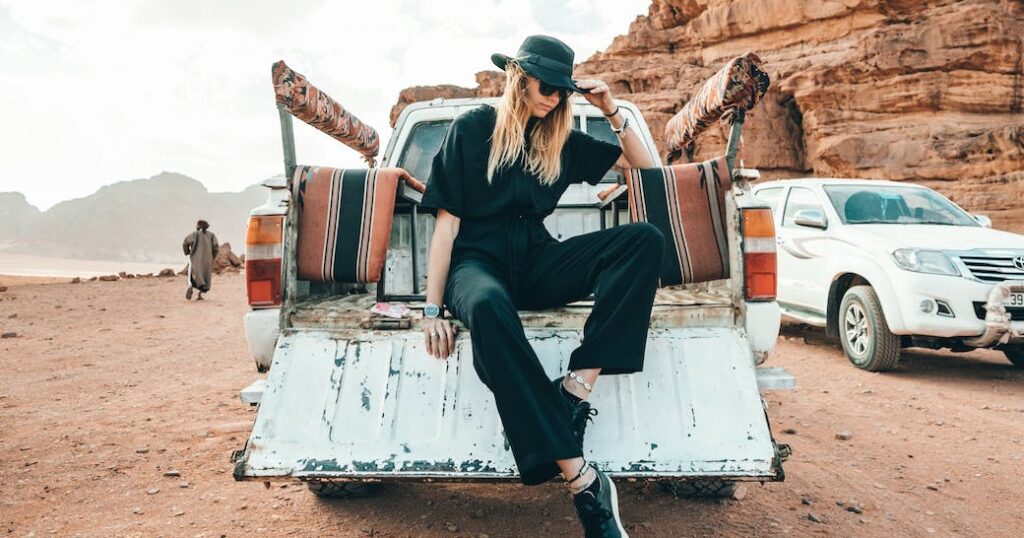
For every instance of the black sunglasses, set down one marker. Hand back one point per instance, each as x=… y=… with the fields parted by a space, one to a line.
x=547 y=90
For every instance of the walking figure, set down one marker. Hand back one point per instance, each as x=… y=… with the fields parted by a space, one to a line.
x=201 y=248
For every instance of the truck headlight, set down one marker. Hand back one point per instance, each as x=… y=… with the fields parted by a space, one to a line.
x=931 y=262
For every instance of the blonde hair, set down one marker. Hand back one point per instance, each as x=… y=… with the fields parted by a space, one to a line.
x=544 y=159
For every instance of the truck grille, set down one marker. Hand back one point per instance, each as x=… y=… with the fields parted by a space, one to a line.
x=993 y=268
x=1016 y=312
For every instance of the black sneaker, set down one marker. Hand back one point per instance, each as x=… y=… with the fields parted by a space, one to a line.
x=579 y=413
x=598 y=509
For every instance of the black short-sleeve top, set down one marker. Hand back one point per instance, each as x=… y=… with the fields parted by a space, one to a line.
x=513 y=206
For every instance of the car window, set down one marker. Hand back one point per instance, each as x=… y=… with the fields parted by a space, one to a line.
x=771 y=196
x=423 y=143
x=889 y=204
x=799 y=200
x=599 y=128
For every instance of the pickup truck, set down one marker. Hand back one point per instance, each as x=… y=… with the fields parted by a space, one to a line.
x=885 y=265
x=351 y=397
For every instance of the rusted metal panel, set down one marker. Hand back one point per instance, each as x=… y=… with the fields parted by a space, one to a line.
x=673 y=308
x=374 y=405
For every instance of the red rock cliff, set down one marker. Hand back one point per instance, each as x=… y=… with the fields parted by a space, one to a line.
x=929 y=92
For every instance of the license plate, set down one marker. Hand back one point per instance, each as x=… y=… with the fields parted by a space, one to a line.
x=1015 y=299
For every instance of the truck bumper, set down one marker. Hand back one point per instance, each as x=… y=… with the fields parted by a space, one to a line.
x=999 y=326
x=945 y=307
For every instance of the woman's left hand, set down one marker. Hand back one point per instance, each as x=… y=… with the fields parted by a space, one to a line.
x=600 y=94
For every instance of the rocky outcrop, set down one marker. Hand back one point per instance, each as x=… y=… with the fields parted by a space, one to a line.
x=226 y=260
x=489 y=84
x=16 y=215
x=929 y=92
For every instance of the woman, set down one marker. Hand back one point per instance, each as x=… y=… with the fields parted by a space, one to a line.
x=499 y=172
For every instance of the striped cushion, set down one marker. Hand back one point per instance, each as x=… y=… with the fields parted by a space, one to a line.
x=687 y=203
x=344 y=221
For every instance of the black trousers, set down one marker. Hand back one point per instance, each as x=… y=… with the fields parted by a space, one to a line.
x=619 y=266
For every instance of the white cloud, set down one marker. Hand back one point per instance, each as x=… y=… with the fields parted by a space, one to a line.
x=93 y=92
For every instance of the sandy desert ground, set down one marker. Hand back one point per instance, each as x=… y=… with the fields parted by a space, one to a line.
x=108 y=387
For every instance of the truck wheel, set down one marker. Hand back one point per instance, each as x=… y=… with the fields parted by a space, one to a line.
x=864 y=333
x=341 y=490
x=1015 y=354
x=699 y=488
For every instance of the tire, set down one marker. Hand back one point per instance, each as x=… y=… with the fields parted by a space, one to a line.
x=864 y=333
x=1015 y=354
x=341 y=490
x=699 y=488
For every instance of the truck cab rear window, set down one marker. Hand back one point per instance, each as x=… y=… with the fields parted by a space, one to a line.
x=424 y=142
x=601 y=129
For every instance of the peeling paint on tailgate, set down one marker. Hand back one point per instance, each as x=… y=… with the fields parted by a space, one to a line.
x=379 y=407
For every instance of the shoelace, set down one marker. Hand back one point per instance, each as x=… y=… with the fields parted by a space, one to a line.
x=580 y=419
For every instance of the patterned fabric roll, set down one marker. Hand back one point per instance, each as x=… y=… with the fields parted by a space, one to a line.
x=306 y=102
x=344 y=221
x=739 y=85
x=687 y=203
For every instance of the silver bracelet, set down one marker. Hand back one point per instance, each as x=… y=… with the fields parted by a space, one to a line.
x=621 y=130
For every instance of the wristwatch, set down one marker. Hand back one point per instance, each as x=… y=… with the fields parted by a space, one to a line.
x=620 y=130
x=431 y=311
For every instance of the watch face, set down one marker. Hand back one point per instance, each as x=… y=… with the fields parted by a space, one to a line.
x=431 y=310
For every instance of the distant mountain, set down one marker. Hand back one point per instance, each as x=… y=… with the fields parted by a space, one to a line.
x=16 y=214
x=142 y=220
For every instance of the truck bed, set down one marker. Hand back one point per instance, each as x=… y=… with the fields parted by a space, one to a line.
x=673 y=307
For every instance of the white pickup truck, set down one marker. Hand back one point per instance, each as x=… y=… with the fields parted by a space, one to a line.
x=886 y=265
x=353 y=398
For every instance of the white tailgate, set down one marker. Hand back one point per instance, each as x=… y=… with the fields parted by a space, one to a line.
x=380 y=407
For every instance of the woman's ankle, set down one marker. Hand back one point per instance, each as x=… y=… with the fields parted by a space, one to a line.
x=576 y=385
x=565 y=388
x=583 y=481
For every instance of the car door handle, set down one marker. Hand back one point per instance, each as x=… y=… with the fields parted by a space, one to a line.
x=779 y=240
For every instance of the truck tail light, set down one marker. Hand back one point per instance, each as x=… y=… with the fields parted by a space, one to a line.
x=759 y=262
x=263 y=250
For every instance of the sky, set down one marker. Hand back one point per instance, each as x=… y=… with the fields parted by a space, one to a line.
x=94 y=91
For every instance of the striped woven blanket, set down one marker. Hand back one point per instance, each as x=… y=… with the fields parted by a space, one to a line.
x=344 y=219
x=687 y=203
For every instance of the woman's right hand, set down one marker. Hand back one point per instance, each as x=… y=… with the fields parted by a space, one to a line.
x=440 y=337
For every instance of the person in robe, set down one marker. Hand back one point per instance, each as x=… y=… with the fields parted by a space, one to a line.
x=201 y=248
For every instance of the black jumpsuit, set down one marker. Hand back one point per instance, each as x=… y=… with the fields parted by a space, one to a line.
x=504 y=259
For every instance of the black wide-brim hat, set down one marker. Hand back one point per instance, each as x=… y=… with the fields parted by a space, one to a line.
x=545 y=58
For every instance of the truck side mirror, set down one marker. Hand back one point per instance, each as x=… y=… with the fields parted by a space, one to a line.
x=811 y=218
x=983 y=220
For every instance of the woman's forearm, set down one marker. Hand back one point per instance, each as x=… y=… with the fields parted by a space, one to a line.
x=446 y=228
x=633 y=149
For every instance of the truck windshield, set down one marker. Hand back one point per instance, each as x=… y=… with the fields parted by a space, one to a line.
x=869 y=204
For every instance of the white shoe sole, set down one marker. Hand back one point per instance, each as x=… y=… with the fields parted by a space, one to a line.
x=615 y=507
